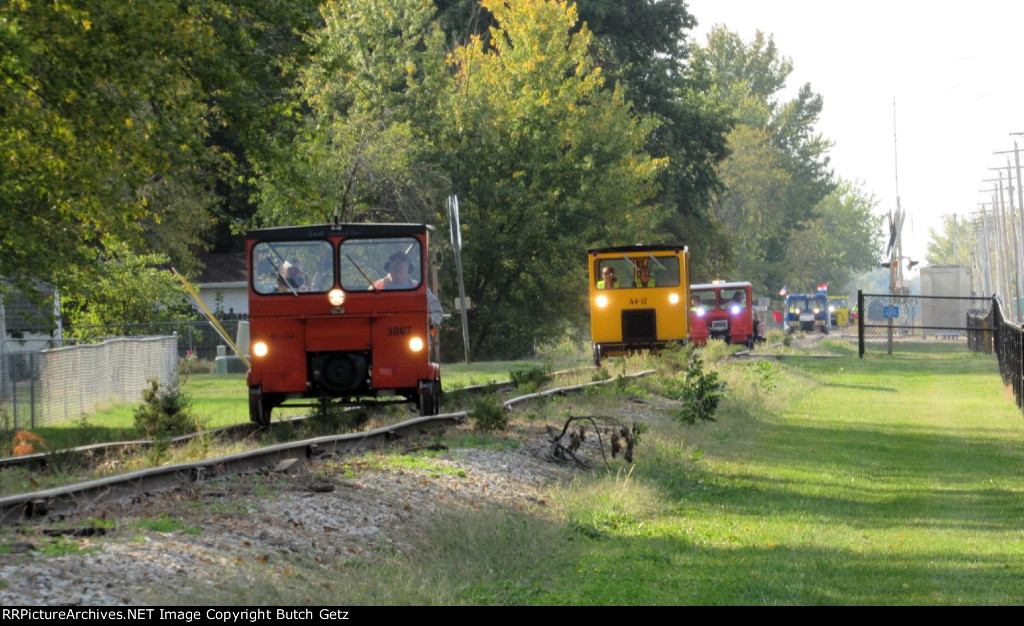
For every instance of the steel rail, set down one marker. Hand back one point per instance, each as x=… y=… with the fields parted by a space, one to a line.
x=62 y=502
x=65 y=501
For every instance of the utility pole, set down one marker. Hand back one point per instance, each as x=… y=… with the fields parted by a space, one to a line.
x=1018 y=223
x=954 y=238
x=986 y=255
x=1003 y=259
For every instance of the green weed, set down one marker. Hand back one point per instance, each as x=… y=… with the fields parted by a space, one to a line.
x=701 y=393
x=164 y=413
x=488 y=413
x=530 y=379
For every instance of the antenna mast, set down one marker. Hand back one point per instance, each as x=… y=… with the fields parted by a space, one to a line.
x=896 y=221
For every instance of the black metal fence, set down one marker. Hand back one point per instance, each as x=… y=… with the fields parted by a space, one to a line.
x=909 y=325
x=1008 y=343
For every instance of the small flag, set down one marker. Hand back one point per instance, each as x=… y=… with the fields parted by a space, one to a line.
x=823 y=287
x=784 y=290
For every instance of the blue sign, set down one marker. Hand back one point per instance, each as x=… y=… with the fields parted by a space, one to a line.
x=890 y=312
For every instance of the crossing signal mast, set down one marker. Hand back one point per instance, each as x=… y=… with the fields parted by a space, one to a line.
x=894 y=250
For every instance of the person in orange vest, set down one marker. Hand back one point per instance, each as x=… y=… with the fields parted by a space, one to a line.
x=398 y=277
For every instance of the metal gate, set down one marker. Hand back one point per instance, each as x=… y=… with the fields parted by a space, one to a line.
x=907 y=325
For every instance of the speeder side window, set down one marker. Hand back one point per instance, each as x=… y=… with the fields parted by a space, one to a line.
x=390 y=264
x=292 y=267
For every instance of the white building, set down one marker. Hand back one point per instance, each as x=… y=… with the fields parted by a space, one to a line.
x=223 y=285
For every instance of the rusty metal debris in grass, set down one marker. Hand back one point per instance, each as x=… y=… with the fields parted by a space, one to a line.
x=622 y=439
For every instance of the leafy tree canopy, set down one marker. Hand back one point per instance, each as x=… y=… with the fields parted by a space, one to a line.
x=843 y=239
x=124 y=289
x=100 y=120
x=777 y=172
x=546 y=161
x=372 y=91
x=132 y=124
x=953 y=244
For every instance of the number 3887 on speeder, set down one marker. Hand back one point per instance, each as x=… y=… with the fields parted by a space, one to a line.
x=340 y=313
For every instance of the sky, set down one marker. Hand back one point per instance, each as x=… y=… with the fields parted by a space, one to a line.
x=952 y=69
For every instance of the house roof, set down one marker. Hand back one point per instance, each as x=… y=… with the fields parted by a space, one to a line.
x=223 y=268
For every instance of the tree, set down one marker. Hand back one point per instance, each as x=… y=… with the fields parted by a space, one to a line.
x=779 y=169
x=750 y=209
x=953 y=244
x=135 y=124
x=99 y=120
x=371 y=91
x=642 y=48
x=842 y=240
x=546 y=160
x=643 y=44
x=123 y=289
x=247 y=76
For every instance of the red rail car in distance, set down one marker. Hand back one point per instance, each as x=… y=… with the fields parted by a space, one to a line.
x=339 y=312
x=723 y=311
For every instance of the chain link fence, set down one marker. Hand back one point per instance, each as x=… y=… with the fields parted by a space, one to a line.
x=908 y=325
x=196 y=340
x=40 y=387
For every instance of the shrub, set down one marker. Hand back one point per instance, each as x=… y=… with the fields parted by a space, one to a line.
x=700 y=394
x=488 y=413
x=766 y=376
x=164 y=413
x=530 y=380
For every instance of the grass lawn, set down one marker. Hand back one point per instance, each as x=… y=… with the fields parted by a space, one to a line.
x=878 y=482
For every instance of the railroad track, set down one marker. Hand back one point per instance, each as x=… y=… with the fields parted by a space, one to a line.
x=65 y=502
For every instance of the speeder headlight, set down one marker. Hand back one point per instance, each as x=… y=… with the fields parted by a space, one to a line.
x=260 y=348
x=601 y=301
x=673 y=298
x=336 y=297
x=735 y=309
x=701 y=311
x=416 y=344
x=817 y=310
